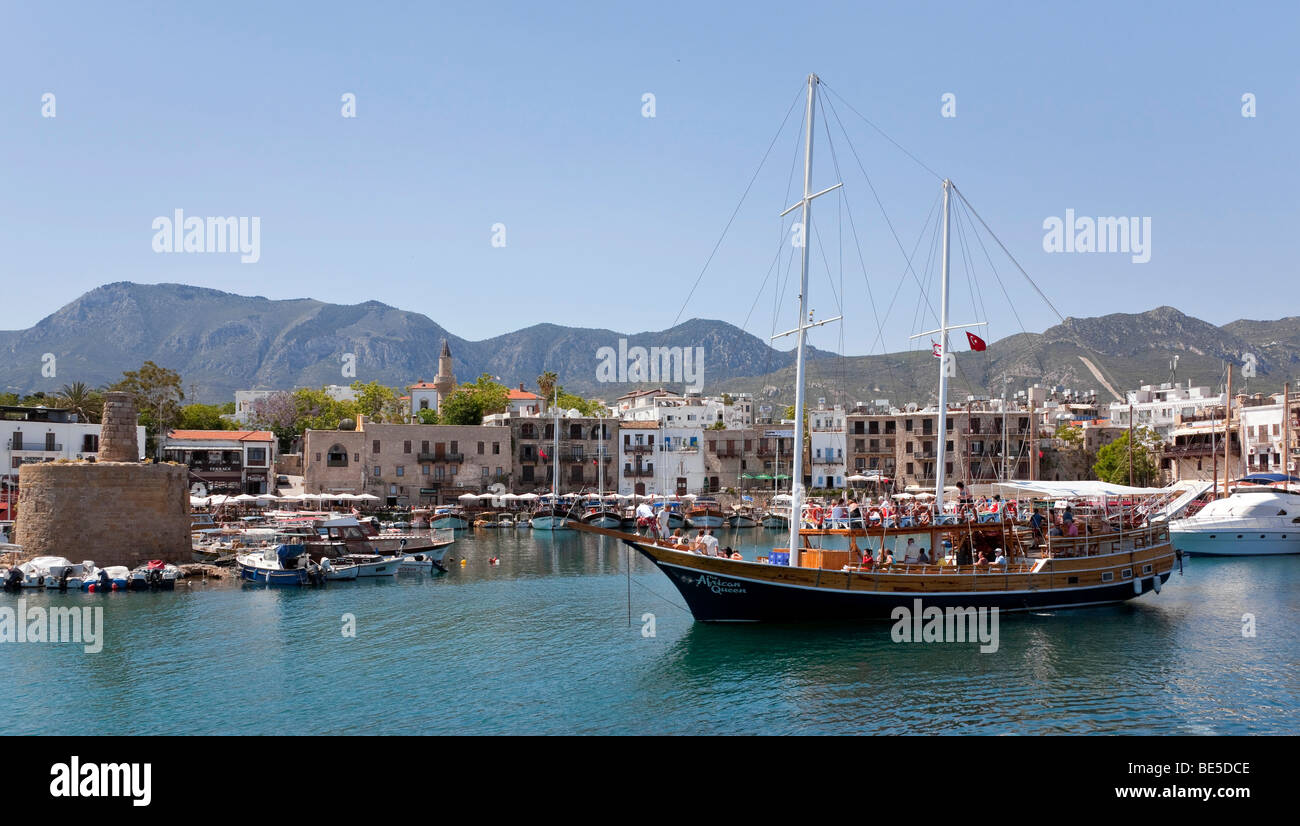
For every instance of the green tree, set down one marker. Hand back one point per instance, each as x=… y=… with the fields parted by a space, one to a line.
x=380 y=403
x=471 y=402
x=1070 y=435
x=203 y=417
x=428 y=416
x=1112 y=459
x=587 y=407
x=277 y=413
x=158 y=395
x=546 y=385
x=317 y=410
x=83 y=400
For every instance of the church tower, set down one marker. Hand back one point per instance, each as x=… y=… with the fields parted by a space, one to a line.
x=445 y=381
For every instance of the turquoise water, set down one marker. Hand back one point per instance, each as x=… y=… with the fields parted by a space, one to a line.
x=541 y=644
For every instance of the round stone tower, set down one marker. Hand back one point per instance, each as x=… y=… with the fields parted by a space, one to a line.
x=115 y=511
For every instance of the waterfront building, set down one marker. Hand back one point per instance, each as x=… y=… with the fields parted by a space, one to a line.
x=1159 y=407
x=826 y=443
x=224 y=461
x=406 y=464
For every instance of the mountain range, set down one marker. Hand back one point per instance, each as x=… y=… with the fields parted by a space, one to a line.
x=221 y=342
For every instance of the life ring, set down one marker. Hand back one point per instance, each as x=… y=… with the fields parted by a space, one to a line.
x=923 y=518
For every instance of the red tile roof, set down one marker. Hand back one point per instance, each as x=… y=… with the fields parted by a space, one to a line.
x=223 y=435
x=522 y=395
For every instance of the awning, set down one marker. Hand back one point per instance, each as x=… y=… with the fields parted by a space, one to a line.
x=1083 y=489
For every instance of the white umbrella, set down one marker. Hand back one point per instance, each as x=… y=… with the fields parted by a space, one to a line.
x=853 y=480
x=198 y=501
x=245 y=497
x=369 y=497
x=925 y=496
x=509 y=497
x=468 y=497
x=904 y=496
x=528 y=496
x=486 y=496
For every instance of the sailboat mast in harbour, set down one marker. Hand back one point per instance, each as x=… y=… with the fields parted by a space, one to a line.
x=803 y=322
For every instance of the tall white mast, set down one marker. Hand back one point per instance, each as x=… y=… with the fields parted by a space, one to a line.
x=942 y=452
x=804 y=323
x=555 y=460
x=946 y=359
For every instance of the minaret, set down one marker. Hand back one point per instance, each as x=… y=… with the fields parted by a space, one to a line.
x=445 y=381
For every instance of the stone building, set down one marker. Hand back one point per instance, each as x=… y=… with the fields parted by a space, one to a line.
x=407 y=464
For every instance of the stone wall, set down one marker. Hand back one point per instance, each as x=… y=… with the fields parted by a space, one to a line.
x=117 y=437
x=115 y=513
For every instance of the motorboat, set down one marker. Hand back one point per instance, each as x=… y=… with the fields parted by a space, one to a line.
x=777 y=517
x=1259 y=521
x=155 y=575
x=280 y=565
x=105 y=580
x=486 y=520
x=602 y=515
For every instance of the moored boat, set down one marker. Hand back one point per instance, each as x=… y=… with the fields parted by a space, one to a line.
x=743 y=516
x=155 y=575
x=280 y=565
x=1249 y=522
x=704 y=512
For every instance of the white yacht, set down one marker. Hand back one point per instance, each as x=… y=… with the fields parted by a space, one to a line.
x=1262 y=522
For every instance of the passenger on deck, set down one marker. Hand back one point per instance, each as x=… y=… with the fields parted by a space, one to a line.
x=982 y=562
x=922 y=558
x=708 y=543
x=909 y=555
x=1071 y=528
x=1001 y=558
x=1036 y=522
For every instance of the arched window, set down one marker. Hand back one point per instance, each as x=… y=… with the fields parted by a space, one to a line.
x=337 y=457
x=424 y=404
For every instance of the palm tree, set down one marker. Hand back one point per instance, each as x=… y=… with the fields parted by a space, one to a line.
x=82 y=400
x=546 y=383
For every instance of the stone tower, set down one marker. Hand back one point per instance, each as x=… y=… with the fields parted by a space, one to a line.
x=117 y=436
x=445 y=381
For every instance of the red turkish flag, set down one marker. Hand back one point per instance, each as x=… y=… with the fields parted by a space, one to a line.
x=976 y=343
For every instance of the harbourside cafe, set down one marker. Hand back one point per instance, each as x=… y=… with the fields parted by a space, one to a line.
x=224 y=461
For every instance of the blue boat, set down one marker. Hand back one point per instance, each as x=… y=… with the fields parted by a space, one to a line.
x=281 y=565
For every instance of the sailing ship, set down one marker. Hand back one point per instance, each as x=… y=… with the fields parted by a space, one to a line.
x=553 y=515
x=827 y=574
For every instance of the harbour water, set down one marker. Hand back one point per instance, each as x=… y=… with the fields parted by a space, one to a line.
x=542 y=644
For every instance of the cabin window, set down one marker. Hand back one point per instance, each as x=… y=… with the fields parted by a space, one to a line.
x=1108 y=576
x=1146 y=569
x=1074 y=580
x=1127 y=573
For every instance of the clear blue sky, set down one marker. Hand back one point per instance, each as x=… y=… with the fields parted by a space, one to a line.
x=530 y=115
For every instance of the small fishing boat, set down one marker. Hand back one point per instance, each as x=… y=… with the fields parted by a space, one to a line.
x=777 y=517
x=372 y=565
x=705 y=512
x=338 y=572
x=506 y=520
x=449 y=516
x=156 y=575
x=62 y=574
x=486 y=520
x=550 y=518
x=743 y=516
x=602 y=515
x=280 y=565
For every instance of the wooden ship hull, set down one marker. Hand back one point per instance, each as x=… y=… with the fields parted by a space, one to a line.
x=836 y=584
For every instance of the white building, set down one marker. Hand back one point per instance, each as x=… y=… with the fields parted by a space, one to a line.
x=1261 y=429
x=826 y=442
x=1158 y=407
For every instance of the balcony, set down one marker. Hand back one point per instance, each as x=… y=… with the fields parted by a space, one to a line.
x=444 y=457
x=637 y=450
x=638 y=473
x=733 y=453
x=38 y=447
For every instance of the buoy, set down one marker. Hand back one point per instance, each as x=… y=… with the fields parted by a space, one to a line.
x=462 y=563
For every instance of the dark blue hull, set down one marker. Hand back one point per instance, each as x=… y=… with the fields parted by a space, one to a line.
x=719 y=598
